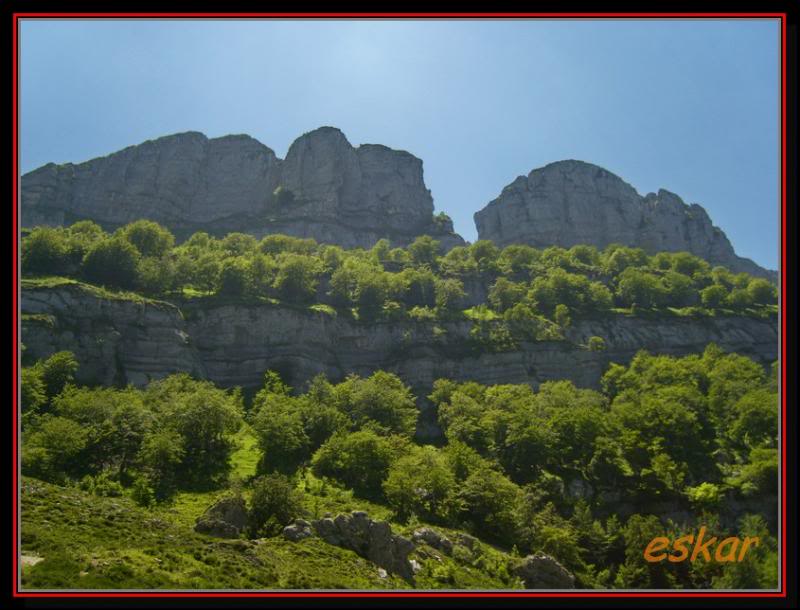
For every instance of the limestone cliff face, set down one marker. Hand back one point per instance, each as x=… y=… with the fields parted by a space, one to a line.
x=326 y=189
x=571 y=202
x=127 y=342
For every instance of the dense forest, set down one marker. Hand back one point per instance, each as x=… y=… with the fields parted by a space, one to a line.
x=589 y=477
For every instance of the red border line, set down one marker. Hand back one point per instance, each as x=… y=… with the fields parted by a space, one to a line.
x=378 y=15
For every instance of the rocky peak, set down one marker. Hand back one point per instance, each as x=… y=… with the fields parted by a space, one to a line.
x=572 y=202
x=333 y=191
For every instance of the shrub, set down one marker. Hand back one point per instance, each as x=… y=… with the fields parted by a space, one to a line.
x=142 y=492
x=273 y=504
x=561 y=315
x=597 y=344
x=283 y=196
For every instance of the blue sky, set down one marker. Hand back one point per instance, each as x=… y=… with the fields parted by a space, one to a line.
x=690 y=106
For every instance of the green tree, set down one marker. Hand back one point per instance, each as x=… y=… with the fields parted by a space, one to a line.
x=57 y=371
x=297 y=277
x=487 y=503
x=115 y=422
x=424 y=250
x=679 y=289
x=282 y=439
x=359 y=460
x=688 y=264
x=234 y=278
x=739 y=299
x=421 y=483
x=504 y=294
x=33 y=392
x=81 y=236
x=277 y=244
x=149 y=238
x=485 y=254
x=112 y=262
x=713 y=296
x=160 y=456
x=238 y=244
x=45 y=251
x=204 y=416
x=371 y=292
x=155 y=276
x=48 y=451
x=762 y=292
x=449 y=294
x=382 y=399
x=637 y=287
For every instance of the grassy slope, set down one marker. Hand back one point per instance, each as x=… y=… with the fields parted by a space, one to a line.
x=95 y=543
x=89 y=542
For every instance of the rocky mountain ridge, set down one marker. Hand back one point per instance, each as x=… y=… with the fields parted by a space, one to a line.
x=336 y=193
x=325 y=188
x=570 y=202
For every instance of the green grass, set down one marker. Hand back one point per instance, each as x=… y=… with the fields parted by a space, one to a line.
x=244 y=459
x=47 y=282
x=39 y=318
x=479 y=313
x=322 y=308
x=89 y=542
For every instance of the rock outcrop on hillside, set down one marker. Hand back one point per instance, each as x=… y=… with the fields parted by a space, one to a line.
x=121 y=341
x=541 y=571
x=370 y=539
x=325 y=188
x=571 y=202
x=227 y=518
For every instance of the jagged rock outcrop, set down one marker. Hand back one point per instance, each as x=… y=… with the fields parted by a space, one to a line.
x=571 y=202
x=370 y=539
x=298 y=530
x=226 y=518
x=434 y=539
x=122 y=341
x=541 y=571
x=326 y=189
